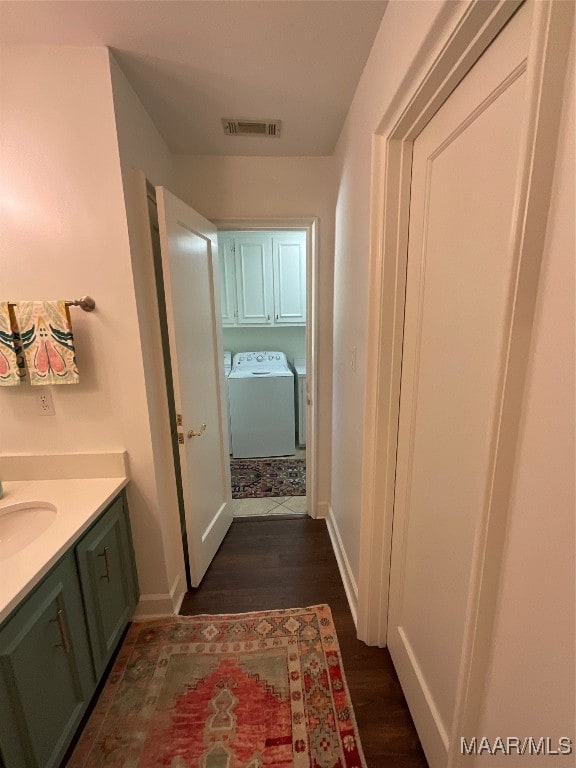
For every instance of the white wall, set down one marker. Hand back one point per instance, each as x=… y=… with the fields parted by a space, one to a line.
x=291 y=340
x=396 y=53
x=276 y=187
x=64 y=234
x=531 y=686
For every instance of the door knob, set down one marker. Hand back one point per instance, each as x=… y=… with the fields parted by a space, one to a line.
x=202 y=429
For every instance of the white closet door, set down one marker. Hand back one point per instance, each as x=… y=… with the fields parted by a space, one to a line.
x=458 y=283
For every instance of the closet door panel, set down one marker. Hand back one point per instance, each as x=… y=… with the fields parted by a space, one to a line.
x=459 y=280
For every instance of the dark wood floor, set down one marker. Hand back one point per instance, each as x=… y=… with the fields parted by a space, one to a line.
x=289 y=563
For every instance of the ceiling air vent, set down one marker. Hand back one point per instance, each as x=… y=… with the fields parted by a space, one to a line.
x=251 y=127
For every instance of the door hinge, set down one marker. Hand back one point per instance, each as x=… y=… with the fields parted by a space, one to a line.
x=180 y=438
x=178 y=419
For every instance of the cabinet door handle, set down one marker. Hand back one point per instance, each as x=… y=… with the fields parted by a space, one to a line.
x=106 y=563
x=61 y=621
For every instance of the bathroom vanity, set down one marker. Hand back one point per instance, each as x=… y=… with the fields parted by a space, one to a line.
x=65 y=601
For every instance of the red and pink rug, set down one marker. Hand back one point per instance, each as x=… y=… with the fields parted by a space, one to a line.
x=253 y=690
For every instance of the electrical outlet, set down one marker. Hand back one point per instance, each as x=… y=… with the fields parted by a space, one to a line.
x=46 y=404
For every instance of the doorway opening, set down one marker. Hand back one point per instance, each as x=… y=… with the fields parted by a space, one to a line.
x=191 y=331
x=267 y=290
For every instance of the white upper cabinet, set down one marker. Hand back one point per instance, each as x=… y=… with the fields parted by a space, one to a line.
x=227 y=278
x=263 y=278
x=289 y=278
x=254 y=282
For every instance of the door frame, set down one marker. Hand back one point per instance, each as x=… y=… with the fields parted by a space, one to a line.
x=466 y=36
x=310 y=225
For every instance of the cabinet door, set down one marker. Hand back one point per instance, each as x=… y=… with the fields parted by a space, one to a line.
x=46 y=674
x=254 y=291
x=290 y=278
x=227 y=278
x=107 y=575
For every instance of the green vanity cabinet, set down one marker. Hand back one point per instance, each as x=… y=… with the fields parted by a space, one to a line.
x=56 y=644
x=108 y=578
x=46 y=673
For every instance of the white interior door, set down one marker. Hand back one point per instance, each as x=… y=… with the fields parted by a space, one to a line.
x=459 y=279
x=191 y=284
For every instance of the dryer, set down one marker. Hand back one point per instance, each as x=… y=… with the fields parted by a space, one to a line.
x=301 y=398
x=261 y=391
x=227 y=369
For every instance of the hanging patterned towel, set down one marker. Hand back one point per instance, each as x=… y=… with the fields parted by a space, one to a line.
x=47 y=341
x=11 y=359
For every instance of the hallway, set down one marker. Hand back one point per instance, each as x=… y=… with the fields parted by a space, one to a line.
x=283 y=563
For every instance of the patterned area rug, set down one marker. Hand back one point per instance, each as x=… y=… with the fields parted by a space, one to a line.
x=252 y=690
x=262 y=478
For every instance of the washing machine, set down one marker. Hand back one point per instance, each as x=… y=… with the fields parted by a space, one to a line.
x=261 y=391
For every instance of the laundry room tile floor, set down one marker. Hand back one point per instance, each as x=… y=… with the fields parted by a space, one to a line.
x=277 y=505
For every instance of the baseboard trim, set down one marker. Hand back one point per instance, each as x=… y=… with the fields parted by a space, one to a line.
x=177 y=592
x=350 y=586
x=159 y=606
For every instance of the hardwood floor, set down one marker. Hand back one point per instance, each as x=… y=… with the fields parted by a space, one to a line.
x=289 y=563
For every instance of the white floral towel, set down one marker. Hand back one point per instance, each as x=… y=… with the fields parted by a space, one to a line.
x=47 y=340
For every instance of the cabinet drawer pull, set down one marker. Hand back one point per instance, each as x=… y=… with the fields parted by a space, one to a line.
x=61 y=621
x=106 y=562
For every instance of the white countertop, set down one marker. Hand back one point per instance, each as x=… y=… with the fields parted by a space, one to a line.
x=78 y=503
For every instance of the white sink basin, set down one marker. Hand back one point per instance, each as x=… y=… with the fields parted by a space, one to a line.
x=21 y=523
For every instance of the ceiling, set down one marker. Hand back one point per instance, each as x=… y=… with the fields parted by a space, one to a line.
x=194 y=62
